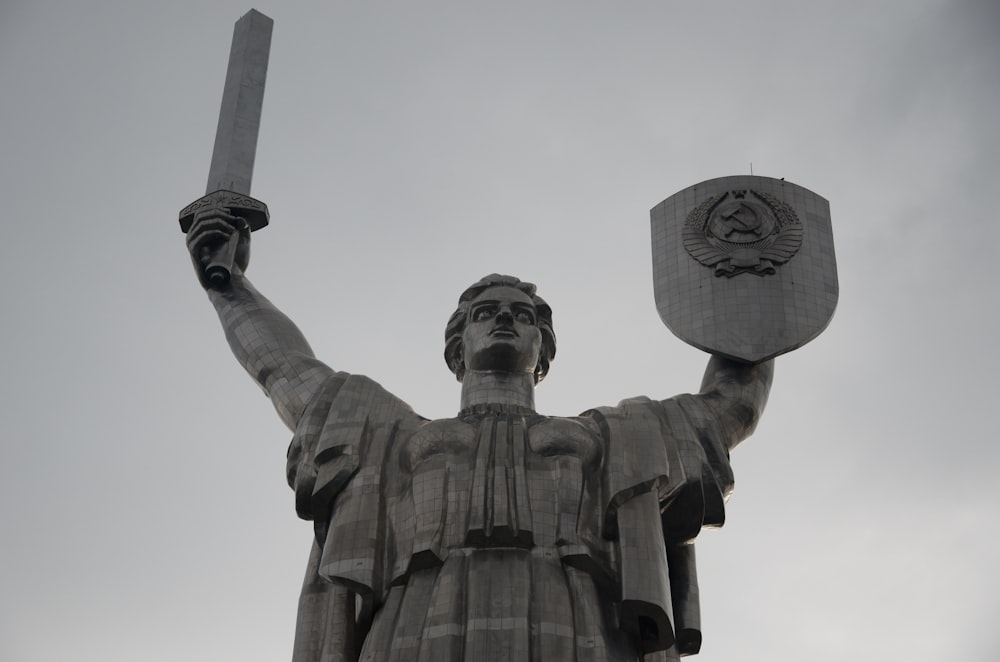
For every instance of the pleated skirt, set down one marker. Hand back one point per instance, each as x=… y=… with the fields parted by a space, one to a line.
x=485 y=605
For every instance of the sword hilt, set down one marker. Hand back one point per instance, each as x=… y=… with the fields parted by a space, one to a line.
x=219 y=270
x=254 y=212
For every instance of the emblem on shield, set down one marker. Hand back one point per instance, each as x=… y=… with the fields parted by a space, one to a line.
x=742 y=231
x=744 y=266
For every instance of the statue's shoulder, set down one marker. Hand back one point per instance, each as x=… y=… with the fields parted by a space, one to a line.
x=636 y=406
x=644 y=417
x=360 y=397
x=344 y=416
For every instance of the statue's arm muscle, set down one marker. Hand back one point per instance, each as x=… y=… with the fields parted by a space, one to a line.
x=270 y=347
x=738 y=393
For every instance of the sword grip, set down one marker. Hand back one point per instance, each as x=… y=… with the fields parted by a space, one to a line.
x=220 y=269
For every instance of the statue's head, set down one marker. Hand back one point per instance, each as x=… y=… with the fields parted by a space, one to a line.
x=500 y=325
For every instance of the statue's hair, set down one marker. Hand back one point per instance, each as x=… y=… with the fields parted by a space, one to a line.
x=456 y=324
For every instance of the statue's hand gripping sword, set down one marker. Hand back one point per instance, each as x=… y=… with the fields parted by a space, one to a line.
x=236 y=139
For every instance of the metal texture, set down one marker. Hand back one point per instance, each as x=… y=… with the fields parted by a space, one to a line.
x=242 y=101
x=744 y=266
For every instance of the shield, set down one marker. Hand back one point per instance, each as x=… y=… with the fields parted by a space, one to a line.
x=744 y=266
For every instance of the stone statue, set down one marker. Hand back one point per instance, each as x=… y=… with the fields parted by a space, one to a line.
x=501 y=533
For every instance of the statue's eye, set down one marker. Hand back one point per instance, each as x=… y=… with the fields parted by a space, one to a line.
x=483 y=313
x=524 y=317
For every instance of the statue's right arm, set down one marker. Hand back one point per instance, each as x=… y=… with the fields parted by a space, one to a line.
x=270 y=347
x=265 y=342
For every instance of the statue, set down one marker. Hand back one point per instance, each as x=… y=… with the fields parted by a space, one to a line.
x=500 y=533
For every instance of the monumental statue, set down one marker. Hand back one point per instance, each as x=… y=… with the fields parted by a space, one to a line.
x=503 y=533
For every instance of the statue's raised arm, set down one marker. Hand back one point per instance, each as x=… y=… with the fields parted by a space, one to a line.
x=265 y=342
x=743 y=268
x=737 y=393
x=724 y=413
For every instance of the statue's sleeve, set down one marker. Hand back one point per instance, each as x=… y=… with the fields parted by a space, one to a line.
x=335 y=437
x=336 y=465
x=301 y=469
x=675 y=447
x=666 y=472
x=702 y=440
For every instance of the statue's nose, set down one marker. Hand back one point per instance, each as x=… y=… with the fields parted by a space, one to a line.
x=505 y=317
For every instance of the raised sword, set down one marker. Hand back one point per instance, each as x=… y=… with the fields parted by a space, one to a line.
x=231 y=171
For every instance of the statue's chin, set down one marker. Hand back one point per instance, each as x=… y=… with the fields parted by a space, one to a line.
x=502 y=357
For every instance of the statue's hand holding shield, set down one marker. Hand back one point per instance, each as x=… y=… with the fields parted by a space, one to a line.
x=744 y=266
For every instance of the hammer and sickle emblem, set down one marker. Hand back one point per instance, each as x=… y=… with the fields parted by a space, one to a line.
x=735 y=236
x=743 y=220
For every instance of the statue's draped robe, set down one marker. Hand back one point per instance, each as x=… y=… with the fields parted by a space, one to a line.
x=502 y=534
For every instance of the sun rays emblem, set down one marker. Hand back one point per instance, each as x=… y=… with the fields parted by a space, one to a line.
x=742 y=231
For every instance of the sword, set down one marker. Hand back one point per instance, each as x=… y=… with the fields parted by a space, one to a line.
x=231 y=171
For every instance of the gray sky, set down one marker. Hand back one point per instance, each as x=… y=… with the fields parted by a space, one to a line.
x=407 y=149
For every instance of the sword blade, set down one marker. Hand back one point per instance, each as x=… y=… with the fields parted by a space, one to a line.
x=242 y=100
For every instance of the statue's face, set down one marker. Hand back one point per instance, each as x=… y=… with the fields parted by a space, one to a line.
x=501 y=333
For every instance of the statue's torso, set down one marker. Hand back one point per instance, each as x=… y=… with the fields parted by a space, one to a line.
x=494 y=518
x=500 y=529
x=500 y=480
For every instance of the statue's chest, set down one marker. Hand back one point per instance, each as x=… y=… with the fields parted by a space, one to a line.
x=497 y=438
x=500 y=479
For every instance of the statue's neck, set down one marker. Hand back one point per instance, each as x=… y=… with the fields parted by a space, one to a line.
x=498 y=388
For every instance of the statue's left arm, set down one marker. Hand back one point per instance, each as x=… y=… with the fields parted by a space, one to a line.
x=668 y=476
x=737 y=393
x=705 y=427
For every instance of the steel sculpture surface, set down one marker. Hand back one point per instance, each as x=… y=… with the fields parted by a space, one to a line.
x=744 y=266
x=502 y=533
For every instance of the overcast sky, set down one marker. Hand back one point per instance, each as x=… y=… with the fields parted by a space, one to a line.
x=408 y=148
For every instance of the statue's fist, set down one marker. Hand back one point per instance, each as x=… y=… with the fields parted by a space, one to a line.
x=219 y=244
